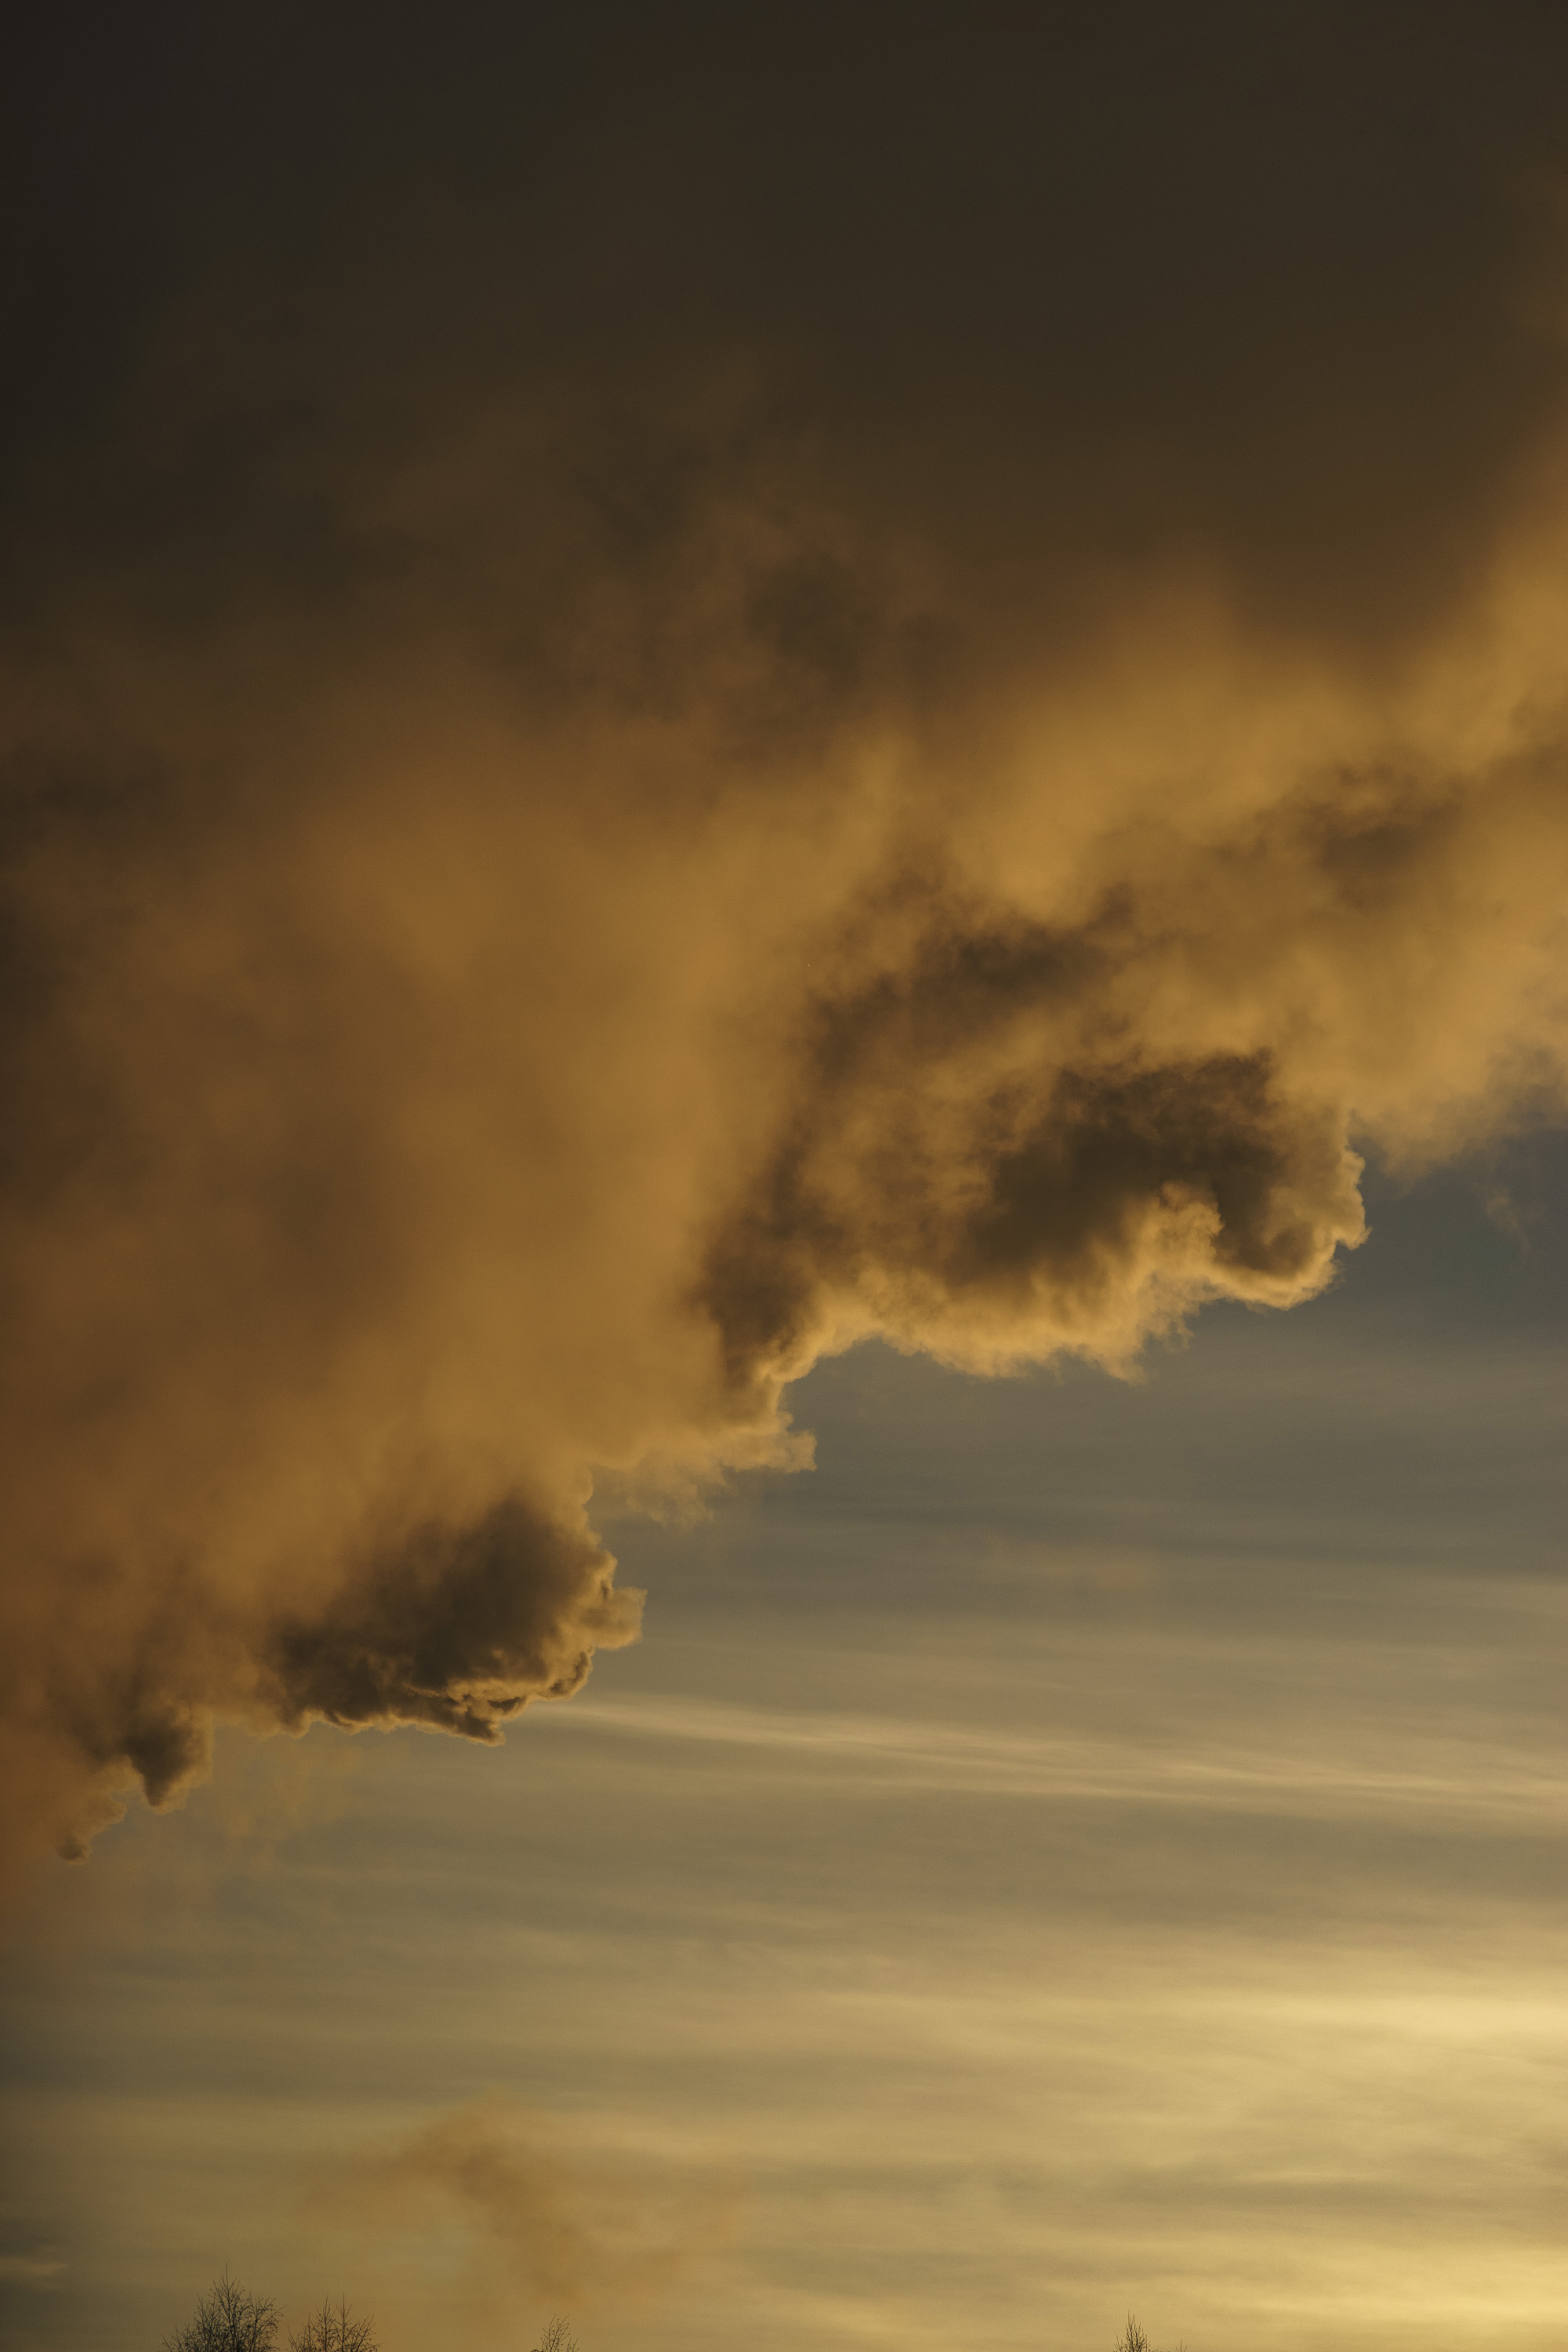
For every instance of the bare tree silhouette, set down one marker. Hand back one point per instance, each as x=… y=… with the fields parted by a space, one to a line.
x=333 y=2331
x=1134 y=2339
x=558 y=2335
x=228 y=2318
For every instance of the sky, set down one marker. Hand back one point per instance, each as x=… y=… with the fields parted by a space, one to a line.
x=783 y=853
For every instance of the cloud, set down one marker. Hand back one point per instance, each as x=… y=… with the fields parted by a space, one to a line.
x=882 y=1751
x=30 y=2270
x=544 y=2215
x=633 y=759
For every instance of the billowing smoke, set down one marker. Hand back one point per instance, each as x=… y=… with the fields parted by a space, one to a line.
x=834 y=679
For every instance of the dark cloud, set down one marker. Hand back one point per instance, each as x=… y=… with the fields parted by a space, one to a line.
x=681 y=685
x=946 y=1161
x=458 y=1628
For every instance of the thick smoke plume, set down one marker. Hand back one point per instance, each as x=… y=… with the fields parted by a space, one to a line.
x=669 y=701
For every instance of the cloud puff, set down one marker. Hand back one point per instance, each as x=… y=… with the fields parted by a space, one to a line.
x=546 y=2216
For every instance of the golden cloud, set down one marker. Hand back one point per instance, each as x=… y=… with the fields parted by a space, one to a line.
x=558 y=866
